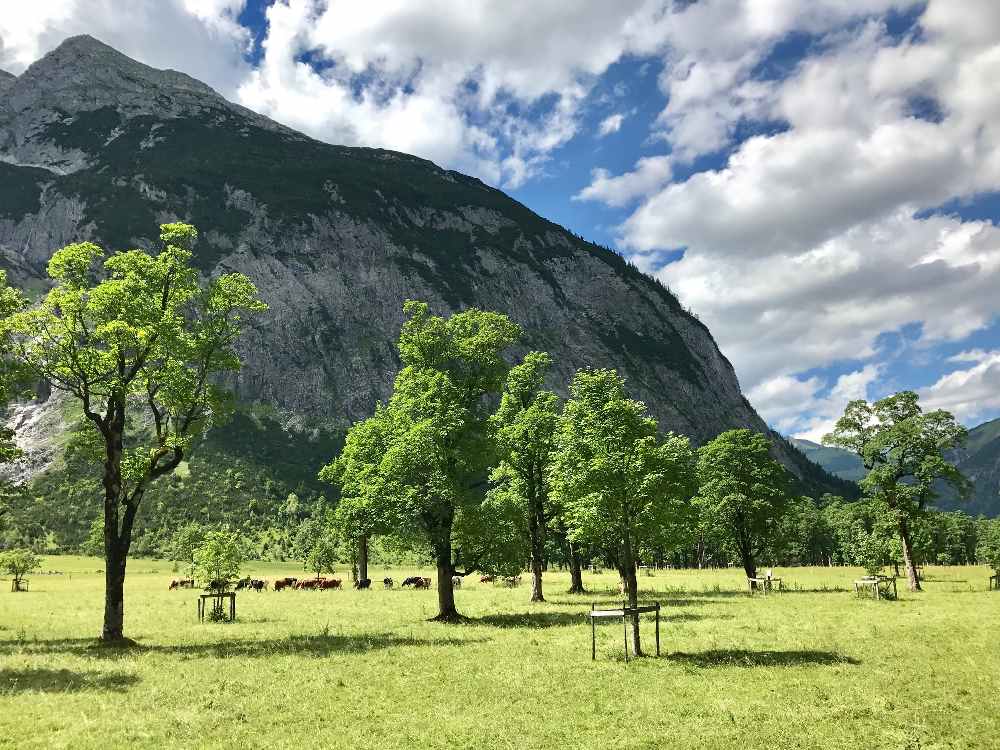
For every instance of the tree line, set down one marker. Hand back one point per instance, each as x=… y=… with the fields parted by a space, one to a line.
x=473 y=459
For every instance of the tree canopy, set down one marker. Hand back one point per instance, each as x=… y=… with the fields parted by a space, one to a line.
x=620 y=486
x=904 y=451
x=742 y=490
x=143 y=346
x=525 y=425
x=420 y=463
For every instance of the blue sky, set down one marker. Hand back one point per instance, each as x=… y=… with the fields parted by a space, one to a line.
x=818 y=180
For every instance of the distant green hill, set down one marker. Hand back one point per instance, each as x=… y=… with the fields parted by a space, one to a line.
x=835 y=460
x=979 y=460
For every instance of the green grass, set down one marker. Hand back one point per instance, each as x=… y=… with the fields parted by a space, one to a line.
x=812 y=668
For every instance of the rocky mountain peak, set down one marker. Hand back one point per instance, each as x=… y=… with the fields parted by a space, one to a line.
x=85 y=79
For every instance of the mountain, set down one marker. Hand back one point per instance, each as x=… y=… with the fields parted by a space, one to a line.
x=94 y=145
x=837 y=461
x=978 y=460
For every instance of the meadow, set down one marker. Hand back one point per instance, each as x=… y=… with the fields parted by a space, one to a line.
x=813 y=667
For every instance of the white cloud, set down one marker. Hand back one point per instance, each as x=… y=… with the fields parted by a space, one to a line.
x=795 y=407
x=649 y=174
x=805 y=246
x=198 y=37
x=610 y=124
x=453 y=82
x=970 y=394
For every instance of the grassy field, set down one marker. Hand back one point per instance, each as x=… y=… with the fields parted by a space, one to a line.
x=812 y=668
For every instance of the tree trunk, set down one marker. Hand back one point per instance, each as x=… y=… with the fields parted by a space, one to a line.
x=537 y=551
x=632 y=599
x=363 y=558
x=445 y=589
x=911 y=569
x=575 y=570
x=627 y=570
x=115 y=552
x=746 y=558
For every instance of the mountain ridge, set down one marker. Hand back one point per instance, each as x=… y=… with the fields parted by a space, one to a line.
x=978 y=460
x=336 y=238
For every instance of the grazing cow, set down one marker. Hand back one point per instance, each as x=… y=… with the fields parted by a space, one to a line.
x=284 y=583
x=511 y=581
x=181 y=583
x=309 y=583
x=456 y=582
x=487 y=579
x=258 y=585
x=363 y=583
x=411 y=581
x=421 y=583
x=243 y=583
x=174 y=584
x=329 y=583
x=387 y=583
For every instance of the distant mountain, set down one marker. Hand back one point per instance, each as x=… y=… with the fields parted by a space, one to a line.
x=838 y=462
x=979 y=460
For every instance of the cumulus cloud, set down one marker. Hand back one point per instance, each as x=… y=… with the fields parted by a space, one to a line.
x=198 y=37
x=810 y=243
x=487 y=88
x=809 y=408
x=970 y=394
x=649 y=174
x=610 y=124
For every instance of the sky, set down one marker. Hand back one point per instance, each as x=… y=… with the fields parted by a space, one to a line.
x=817 y=180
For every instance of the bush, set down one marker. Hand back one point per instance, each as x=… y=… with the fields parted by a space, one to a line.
x=18 y=563
x=217 y=560
x=871 y=550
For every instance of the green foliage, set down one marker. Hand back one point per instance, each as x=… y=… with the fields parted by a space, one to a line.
x=94 y=543
x=902 y=448
x=11 y=302
x=185 y=542
x=525 y=427
x=988 y=549
x=742 y=489
x=19 y=563
x=142 y=346
x=323 y=555
x=416 y=467
x=872 y=549
x=218 y=559
x=904 y=451
x=620 y=487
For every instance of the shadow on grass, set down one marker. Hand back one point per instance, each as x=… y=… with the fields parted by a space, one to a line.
x=560 y=619
x=745 y=658
x=307 y=645
x=14 y=681
x=530 y=619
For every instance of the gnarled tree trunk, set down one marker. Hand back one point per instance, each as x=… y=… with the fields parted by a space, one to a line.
x=536 y=523
x=575 y=570
x=363 y=558
x=445 y=588
x=912 y=579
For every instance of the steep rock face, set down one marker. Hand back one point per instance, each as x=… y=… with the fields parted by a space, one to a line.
x=95 y=145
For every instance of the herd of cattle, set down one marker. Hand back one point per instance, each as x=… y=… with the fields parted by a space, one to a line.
x=323 y=583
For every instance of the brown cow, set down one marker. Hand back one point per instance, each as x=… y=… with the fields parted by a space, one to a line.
x=328 y=583
x=487 y=579
x=284 y=583
x=422 y=583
